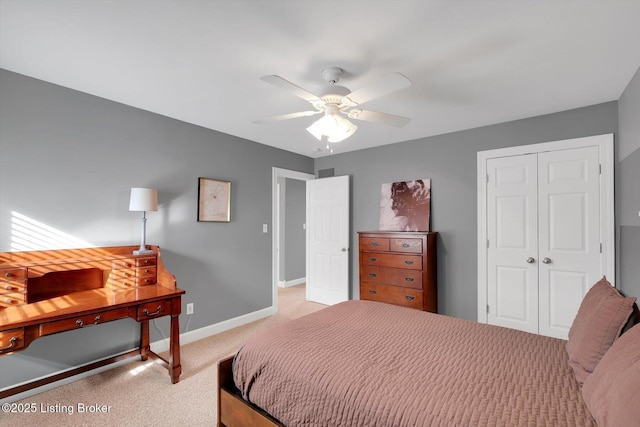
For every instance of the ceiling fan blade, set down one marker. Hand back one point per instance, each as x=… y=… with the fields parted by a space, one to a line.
x=374 y=116
x=287 y=85
x=287 y=116
x=384 y=86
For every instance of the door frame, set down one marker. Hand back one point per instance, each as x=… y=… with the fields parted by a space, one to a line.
x=276 y=174
x=605 y=144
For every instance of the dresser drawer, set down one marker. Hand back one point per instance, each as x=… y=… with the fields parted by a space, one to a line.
x=391 y=294
x=392 y=276
x=406 y=245
x=413 y=262
x=82 y=321
x=152 y=310
x=374 y=244
x=8 y=300
x=11 y=340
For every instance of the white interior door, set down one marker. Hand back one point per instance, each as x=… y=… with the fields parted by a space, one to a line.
x=543 y=238
x=569 y=206
x=328 y=240
x=512 y=250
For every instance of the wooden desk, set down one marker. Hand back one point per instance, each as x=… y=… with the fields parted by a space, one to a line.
x=47 y=292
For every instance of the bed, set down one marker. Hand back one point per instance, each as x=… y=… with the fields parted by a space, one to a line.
x=365 y=363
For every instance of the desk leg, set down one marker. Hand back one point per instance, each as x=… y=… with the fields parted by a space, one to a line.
x=175 y=369
x=145 y=346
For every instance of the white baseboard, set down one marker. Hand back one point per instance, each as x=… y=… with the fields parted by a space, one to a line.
x=156 y=346
x=289 y=283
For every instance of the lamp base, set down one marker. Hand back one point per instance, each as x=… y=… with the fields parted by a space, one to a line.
x=143 y=252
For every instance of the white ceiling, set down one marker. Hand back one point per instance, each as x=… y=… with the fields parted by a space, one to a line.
x=472 y=63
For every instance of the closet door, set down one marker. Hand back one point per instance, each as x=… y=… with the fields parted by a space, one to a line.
x=569 y=234
x=512 y=231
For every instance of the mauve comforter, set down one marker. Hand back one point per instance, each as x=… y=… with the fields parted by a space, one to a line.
x=363 y=363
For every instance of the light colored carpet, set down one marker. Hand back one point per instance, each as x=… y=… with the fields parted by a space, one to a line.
x=140 y=393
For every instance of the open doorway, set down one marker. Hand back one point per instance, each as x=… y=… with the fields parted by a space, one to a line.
x=288 y=213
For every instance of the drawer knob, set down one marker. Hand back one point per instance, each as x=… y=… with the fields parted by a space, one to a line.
x=373 y=275
x=8 y=274
x=410 y=297
x=375 y=244
x=409 y=279
x=405 y=245
x=372 y=259
x=9 y=287
x=146 y=261
x=12 y=343
x=372 y=292
x=408 y=262
x=10 y=301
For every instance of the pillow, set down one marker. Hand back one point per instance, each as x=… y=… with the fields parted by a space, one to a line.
x=601 y=316
x=612 y=391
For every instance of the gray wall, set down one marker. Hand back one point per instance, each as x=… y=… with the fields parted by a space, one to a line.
x=295 y=236
x=450 y=161
x=68 y=160
x=628 y=188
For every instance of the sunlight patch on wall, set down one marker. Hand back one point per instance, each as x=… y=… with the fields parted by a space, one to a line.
x=27 y=234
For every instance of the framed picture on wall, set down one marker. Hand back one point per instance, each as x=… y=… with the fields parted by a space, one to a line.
x=214 y=200
x=406 y=206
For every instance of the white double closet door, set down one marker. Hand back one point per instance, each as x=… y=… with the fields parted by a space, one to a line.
x=543 y=238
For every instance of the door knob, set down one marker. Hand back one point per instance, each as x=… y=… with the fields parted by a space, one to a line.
x=531 y=260
x=344 y=249
x=546 y=260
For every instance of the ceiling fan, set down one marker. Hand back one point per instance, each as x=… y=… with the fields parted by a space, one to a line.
x=338 y=101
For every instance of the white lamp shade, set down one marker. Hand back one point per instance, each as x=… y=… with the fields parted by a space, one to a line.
x=336 y=128
x=143 y=199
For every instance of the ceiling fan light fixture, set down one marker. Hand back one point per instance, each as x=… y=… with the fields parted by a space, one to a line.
x=334 y=127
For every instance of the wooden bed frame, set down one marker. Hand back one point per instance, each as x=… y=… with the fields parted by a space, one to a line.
x=233 y=410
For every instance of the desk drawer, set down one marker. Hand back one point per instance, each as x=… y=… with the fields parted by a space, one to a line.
x=152 y=310
x=82 y=321
x=11 y=287
x=13 y=274
x=11 y=340
x=146 y=261
x=9 y=300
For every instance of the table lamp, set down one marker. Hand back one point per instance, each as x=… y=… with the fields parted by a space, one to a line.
x=143 y=200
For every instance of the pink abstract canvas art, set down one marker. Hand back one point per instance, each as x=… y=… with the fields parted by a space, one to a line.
x=405 y=206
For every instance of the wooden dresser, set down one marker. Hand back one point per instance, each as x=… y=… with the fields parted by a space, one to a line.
x=399 y=268
x=47 y=292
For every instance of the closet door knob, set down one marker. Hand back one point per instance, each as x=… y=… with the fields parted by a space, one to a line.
x=531 y=260
x=546 y=260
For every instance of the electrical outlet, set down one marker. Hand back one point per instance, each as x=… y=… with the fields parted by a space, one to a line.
x=190 y=308
x=265 y=228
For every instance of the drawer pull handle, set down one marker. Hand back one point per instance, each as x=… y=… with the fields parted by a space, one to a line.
x=9 y=287
x=146 y=261
x=10 y=301
x=409 y=279
x=375 y=244
x=81 y=324
x=126 y=264
x=405 y=245
x=408 y=262
x=410 y=297
x=147 y=313
x=147 y=270
x=8 y=274
x=372 y=259
x=372 y=275
x=372 y=292
x=12 y=343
